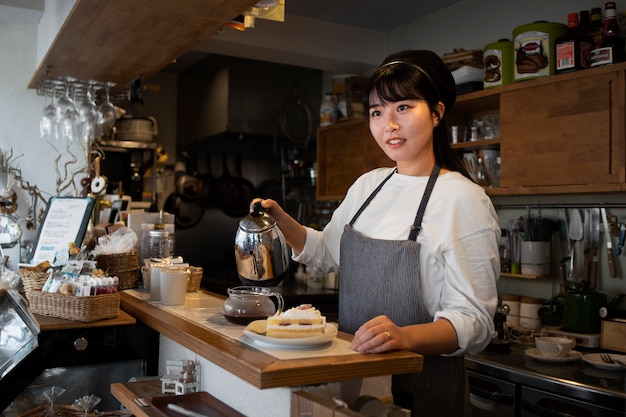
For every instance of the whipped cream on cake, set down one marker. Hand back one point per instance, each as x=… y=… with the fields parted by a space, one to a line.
x=302 y=321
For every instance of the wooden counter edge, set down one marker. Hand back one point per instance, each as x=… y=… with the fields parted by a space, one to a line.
x=47 y=323
x=261 y=369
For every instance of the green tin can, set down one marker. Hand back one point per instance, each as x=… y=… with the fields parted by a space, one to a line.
x=534 y=52
x=498 y=63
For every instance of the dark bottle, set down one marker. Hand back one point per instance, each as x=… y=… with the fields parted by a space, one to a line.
x=573 y=50
x=584 y=21
x=612 y=49
x=595 y=28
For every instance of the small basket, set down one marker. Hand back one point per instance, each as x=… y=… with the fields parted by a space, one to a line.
x=125 y=266
x=34 y=278
x=194 y=278
x=71 y=307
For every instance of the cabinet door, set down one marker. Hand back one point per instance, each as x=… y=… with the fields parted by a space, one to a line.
x=567 y=132
x=344 y=152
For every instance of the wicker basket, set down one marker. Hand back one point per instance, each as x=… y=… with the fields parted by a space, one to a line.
x=125 y=266
x=71 y=307
x=194 y=278
x=34 y=278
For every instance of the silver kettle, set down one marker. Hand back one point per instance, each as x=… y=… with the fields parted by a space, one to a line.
x=261 y=253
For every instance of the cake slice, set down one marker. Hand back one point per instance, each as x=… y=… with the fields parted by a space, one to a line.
x=302 y=321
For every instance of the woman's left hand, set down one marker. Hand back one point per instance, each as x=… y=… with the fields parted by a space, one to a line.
x=379 y=334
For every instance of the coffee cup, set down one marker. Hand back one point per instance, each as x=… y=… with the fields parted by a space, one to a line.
x=173 y=286
x=554 y=347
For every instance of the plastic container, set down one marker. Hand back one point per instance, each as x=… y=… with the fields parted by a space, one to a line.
x=533 y=45
x=328 y=110
x=498 y=63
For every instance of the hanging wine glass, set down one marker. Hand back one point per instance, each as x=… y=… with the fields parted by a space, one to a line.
x=88 y=113
x=49 y=122
x=69 y=118
x=107 y=110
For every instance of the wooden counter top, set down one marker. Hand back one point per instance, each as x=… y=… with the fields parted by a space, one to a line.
x=261 y=369
x=47 y=323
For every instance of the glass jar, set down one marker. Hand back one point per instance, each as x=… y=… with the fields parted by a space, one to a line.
x=160 y=244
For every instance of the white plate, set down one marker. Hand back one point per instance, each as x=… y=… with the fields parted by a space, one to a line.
x=256 y=332
x=594 y=359
x=536 y=354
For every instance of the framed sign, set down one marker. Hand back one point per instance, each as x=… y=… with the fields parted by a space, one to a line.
x=65 y=220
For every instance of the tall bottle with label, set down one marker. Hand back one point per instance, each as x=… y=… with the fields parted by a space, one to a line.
x=595 y=28
x=573 y=50
x=612 y=49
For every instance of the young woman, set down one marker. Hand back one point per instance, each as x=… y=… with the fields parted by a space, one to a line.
x=416 y=246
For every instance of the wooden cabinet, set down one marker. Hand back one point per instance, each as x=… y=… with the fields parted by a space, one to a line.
x=559 y=135
x=116 y=41
x=564 y=134
x=345 y=151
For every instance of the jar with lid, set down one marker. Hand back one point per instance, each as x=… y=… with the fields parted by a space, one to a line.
x=328 y=110
x=160 y=244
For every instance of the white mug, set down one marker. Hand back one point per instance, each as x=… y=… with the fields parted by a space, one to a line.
x=173 y=286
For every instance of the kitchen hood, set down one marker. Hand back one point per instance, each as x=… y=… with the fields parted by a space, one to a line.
x=221 y=94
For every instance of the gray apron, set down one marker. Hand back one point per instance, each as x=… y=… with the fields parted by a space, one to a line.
x=382 y=277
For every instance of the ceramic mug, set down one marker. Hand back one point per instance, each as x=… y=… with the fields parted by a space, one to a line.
x=554 y=347
x=173 y=286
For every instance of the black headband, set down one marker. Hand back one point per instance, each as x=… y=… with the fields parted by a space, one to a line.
x=420 y=70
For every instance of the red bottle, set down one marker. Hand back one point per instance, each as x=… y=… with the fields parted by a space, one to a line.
x=612 y=49
x=573 y=50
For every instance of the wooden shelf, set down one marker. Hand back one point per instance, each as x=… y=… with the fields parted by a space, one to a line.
x=114 y=41
x=523 y=276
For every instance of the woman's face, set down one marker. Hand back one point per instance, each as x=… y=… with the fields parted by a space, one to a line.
x=404 y=131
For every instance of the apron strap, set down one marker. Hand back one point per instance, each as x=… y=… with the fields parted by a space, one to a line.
x=417 y=225
x=371 y=197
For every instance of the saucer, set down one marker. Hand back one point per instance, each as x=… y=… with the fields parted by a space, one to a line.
x=536 y=354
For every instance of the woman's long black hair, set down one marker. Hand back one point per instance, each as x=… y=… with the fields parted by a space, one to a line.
x=397 y=80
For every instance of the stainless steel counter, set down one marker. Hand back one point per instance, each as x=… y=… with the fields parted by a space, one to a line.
x=575 y=379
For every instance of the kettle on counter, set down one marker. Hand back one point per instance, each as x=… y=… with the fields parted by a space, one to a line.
x=261 y=253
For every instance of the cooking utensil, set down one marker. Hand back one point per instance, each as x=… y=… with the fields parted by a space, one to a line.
x=566 y=247
x=575 y=234
x=595 y=241
x=586 y=249
x=609 y=245
x=233 y=194
x=186 y=213
x=261 y=253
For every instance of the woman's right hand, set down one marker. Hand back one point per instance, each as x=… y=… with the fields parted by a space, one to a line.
x=294 y=232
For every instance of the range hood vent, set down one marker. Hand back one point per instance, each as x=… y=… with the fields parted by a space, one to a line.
x=233 y=95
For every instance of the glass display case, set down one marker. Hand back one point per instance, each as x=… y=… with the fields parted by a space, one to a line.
x=18 y=331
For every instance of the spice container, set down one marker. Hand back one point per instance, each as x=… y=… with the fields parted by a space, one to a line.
x=498 y=63
x=533 y=44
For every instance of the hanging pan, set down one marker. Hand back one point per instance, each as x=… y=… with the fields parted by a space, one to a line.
x=233 y=194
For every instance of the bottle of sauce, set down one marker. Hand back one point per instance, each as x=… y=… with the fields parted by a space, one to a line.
x=573 y=50
x=612 y=49
x=595 y=28
x=584 y=21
